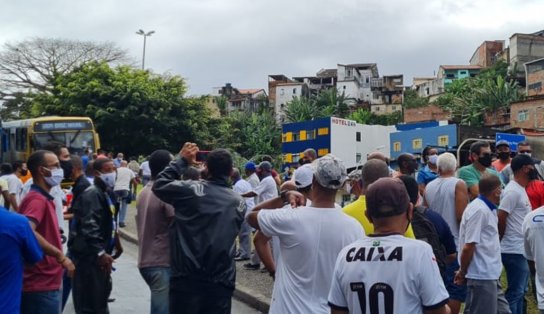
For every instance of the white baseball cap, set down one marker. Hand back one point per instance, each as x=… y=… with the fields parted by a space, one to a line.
x=304 y=176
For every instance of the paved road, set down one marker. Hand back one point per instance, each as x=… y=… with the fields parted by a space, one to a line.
x=130 y=291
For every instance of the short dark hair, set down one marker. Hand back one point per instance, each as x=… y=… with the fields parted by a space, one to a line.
x=191 y=173
x=6 y=168
x=404 y=158
x=267 y=158
x=412 y=188
x=158 y=160
x=98 y=164
x=36 y=160
x=476 y=147
x=54 y=147
x=524 y=143
x=425 y=152
x=373 y=170
x=17 y=164
x=219 y=163
x=77 y=163
x=89 y=170
x=488 y=183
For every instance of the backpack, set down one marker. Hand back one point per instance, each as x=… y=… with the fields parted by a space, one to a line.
x=424 y=230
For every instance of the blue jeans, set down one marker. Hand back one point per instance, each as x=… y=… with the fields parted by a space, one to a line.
x=121 y=197
x=158 y=280
x=47 y=302
x=517 y=275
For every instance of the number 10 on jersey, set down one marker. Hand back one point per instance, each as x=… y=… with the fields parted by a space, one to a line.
x=373 y=297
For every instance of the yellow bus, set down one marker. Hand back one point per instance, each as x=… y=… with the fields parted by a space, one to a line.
x=22 y=137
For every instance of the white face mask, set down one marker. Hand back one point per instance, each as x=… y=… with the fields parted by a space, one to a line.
x=528 y=154
x=56 y=177
x=109 y=178
x=433 y=159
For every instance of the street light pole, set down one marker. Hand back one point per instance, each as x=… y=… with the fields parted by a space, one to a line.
x=141 y=32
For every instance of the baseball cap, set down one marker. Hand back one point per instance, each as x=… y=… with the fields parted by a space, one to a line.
x=502 y=143
x=265 y=165
x=355 y=175
x=329 y=171
x=250 y=166
x=521 y=160
x=304 y=176
x=387 y=197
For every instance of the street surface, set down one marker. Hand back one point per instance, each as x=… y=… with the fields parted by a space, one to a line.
x=131 y=294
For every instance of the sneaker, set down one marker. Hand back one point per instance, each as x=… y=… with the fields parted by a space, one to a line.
x=250 y=266
x=241 y=258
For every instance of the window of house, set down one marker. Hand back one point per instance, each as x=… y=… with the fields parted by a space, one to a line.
x=358 y=136
x=310 y=135
x=296 y=136
x=523 y=115
x=323 y=131
x=322 y=152
x=450 y=76
x=417 y=143
x=443 y=140
x=294 y=90
x=393 y=107
x=282 y=91
x=358 y=158
x=281 y=105
x=396 y=146
x=377 y=109
x=463 y=72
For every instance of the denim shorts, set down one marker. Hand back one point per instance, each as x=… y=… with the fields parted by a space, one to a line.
x=458 y=293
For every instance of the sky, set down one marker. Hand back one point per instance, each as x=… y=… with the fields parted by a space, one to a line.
x=212 y=42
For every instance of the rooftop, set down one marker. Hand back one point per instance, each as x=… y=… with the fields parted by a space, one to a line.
x=460 y=67
x=327 y=73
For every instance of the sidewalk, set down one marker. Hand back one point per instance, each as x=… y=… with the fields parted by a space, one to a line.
x=252 y=287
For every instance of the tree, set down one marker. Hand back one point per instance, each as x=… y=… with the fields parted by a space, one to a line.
x=413 y=100
x=34 y=65
x=302 y=109
x=134 y=111
x=364 y=116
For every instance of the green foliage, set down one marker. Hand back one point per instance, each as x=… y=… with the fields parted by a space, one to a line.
x=327 y=103
x=249 y=134
x=134 y=111
x=413 y=100
x=469 y=99
x=364 y=116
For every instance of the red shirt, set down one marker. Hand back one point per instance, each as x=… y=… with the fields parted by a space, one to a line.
x=46 y=275
x=535 y=191
x=499 y=165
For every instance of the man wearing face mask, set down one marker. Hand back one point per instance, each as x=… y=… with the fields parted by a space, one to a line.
x=480 y=152
x=430 y=171
x=513 y=208
x=503 y=154
x=91 y=242
x=479 y=251
x=523 y=148
x=42 y=283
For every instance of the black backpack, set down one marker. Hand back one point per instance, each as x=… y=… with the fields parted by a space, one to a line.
x=424 y=230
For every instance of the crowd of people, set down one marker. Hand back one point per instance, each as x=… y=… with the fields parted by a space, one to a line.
x=427 y=237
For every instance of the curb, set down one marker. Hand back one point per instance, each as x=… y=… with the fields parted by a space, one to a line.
x=241 y=293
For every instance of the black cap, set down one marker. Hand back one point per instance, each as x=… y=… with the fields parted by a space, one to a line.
x=387 y=197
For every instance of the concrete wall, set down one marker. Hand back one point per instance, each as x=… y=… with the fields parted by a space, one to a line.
x=284 y=94
x=525 y=48
x=485 y=54
x=349 y=88
x=385 y=108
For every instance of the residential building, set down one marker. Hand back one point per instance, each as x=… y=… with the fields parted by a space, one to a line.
x=346 y=139
x=487 y=53
x=286 y=92
x=242 y=99
x=451 y=73
x=388 y=94
x=528 y=114
x=498 y=119
x=525 y=48
x=427 y=87
x=535 y=77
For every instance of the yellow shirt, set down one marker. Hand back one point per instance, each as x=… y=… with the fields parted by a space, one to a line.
x=357 y=210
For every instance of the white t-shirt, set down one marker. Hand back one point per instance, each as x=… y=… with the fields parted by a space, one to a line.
x=309 y=241
x=515 y=202
x=391 y=274
x=533 y=232
x=146 y=171
x=124 y=177
x=15 y=186
x=266 y=189
x=479 y=225
x=241 y=187
x=4 y=187
x=440 y=196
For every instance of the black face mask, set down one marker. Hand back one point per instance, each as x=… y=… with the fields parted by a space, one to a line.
x=503 y=155
x=533 y=174
x=66 y=166
x=485 y=160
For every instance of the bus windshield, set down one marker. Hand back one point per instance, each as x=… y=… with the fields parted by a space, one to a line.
x=76 y=141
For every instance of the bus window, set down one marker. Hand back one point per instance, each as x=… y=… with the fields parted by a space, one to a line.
x=20 y=139
x=76 y=141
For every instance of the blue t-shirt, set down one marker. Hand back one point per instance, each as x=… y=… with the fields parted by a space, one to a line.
x=443 y=230
x=426 y=175
x=18 y=246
